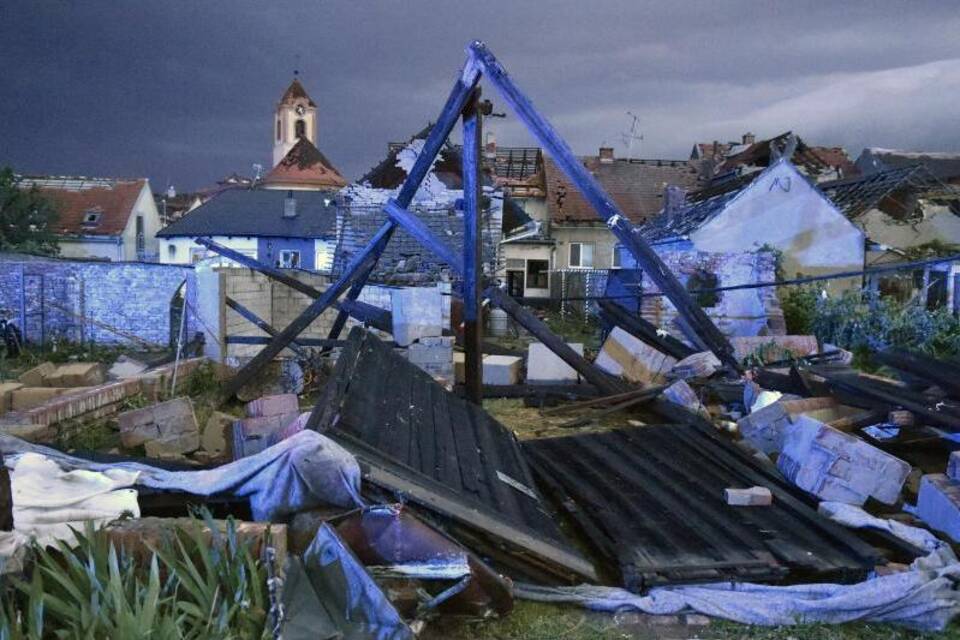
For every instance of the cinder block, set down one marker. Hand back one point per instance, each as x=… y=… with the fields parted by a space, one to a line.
x=171 y=426
x=624 y=355
x=6 y=395
x=77 y=374
x=501 y=370
x=837 y=466
x=752 y=497
x=459 y=367
x=417 y=313
x=938 y=504
x=546 y=367
x=699 y=365
x=680 y=393
x=274 y=405
x=30 y=397
x=35 y=377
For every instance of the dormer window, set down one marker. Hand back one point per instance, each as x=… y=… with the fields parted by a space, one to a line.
x=91 y=218
x=301 y=129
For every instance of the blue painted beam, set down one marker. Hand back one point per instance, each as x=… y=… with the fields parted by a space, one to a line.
x=416 y=228
x=369 y=314
x=472 y=258
x=603 y=204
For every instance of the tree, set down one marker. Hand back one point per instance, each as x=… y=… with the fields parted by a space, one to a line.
x=26 y=218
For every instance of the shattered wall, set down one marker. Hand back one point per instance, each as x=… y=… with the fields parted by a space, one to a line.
x=90 y=302
x=746 y=312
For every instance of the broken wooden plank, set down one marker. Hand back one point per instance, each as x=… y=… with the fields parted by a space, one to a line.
x=472 y=250
x=645 y=331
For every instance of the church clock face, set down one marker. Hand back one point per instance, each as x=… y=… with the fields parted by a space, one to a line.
x=300 y=110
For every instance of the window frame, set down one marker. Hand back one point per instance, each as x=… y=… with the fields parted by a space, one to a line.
x=527 y=275
x=286 y=264
x=580 y=246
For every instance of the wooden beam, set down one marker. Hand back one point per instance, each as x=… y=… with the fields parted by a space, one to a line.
x=303 y=342
x=472 y=250
x=249 y=315
x=604 y=205
x=644 y=331
x=422 y=234
x=596 y=377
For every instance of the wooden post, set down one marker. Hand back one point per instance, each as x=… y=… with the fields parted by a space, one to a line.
x=472 y=249
x=601 y=380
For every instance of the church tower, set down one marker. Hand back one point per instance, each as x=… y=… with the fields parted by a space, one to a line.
x=295 y=118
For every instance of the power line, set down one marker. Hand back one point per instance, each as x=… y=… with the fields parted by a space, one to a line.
x=781 y=283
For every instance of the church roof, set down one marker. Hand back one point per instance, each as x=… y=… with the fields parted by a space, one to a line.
x=296 y=92
x=305 y=166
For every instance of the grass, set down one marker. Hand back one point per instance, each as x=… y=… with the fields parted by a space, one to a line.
x=527 y=422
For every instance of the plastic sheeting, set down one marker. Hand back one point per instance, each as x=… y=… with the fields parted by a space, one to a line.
x=925 y=597
x=329 y=595
x=305 y=471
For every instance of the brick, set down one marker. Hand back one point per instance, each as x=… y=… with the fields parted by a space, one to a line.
x=752 y=497
x=501 y=370
x=546 y=367
x=36 y=377
x=273 y=405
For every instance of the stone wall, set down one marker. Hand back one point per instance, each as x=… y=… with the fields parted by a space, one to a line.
x=109 y=303
x=746 y=312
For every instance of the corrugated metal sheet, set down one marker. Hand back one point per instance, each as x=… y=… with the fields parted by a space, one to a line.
x=650 y=502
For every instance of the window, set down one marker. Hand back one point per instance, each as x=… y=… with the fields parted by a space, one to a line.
x=581 y=255
x=278 y=129
x=700 y=285
x=289 y=259
x=91 y=218
x=617 y=259
x=141 y=240
x=537 y=274
x=324 y=257
x=172 y=250
x=301 y=129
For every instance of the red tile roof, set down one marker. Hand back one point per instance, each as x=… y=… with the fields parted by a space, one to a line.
x=294 y=92
x=636 y=187
x=304 y=165
x=114 y=201
x=837 y=158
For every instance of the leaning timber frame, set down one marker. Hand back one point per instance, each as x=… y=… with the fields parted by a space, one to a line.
x=463 y=102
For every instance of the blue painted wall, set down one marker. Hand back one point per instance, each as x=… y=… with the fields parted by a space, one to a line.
x=268 y=250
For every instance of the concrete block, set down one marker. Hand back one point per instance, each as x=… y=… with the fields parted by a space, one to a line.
x=163 y=429
x=752 y=497
x=77 y=374
x=773 y=348
x=698 y=365
x=417 y=313
x=30 y=397
x=252 y=435
x=37 y=433
x=35 y=377
x=766 y=428
x=126 y=367
x=837 y=466
x=501 y=370
x=6 y=395
x=545 y=367
x=624 y=355
x=459 y=367
x=216 y=432
x=938 y=504
x=274 y=405
x=682 y=394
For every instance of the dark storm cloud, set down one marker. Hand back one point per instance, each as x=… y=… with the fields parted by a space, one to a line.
x=183 y=91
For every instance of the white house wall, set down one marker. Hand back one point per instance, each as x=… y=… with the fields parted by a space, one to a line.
x=783 y=211
x=103 y=247
x=146 y=207
x=184 y=247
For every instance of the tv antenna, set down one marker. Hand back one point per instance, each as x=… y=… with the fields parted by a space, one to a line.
x=634 y=135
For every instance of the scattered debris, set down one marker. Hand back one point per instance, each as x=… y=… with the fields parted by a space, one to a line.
x=166 y=430
x=751 y=497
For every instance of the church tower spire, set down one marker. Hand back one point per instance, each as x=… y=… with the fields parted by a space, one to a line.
x=295 y=118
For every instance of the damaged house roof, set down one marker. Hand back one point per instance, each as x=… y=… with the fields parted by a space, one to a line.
x=813 y=161
x=305 y=166
x=389 y=173
x=944 y=166
x=89 y=206
x=636 y=187
x=259 y=212
x=893 y=191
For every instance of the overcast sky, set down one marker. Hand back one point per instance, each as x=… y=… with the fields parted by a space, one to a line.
x=183 y=92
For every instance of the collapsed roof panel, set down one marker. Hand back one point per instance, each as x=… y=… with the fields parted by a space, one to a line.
x=413 y=436
x=650 y=501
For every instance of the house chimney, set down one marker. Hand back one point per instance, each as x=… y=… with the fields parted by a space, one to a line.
x=289 y=206
x=674 y=200
x=606 y=154
x=171 y=192
x=749 y=138
x=490 y=149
